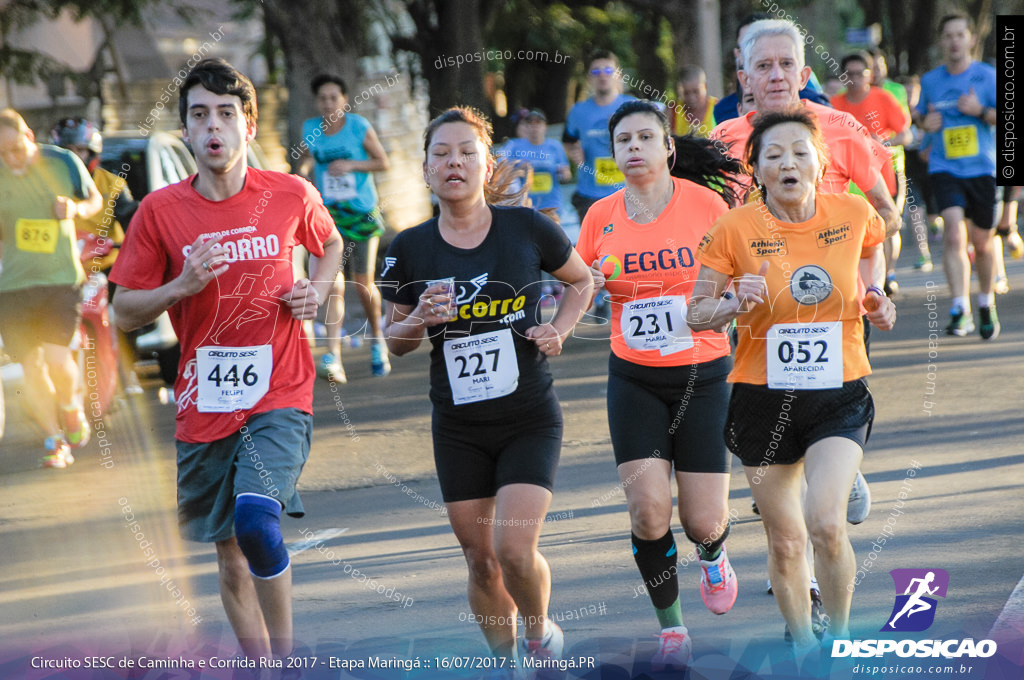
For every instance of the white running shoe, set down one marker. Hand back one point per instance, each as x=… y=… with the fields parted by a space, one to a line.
x=675 y=650
x=549 y=647
x=859 y=506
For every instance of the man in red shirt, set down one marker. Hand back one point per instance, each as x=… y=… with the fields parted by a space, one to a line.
x=215 y=252
x=888 y=123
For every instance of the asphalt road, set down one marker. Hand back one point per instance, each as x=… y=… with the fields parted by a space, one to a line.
x=77 y=581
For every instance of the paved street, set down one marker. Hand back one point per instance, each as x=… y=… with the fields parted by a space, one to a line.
x=76 y=580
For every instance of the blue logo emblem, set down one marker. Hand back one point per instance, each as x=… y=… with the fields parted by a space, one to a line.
x=915 y=605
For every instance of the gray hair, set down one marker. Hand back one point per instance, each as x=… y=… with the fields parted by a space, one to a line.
x=771 y=27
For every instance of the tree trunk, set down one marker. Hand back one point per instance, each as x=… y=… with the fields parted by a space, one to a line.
x=312 y=39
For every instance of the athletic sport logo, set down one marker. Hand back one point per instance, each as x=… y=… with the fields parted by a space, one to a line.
x=914 y=609
x=810 y=285
x=389 y=262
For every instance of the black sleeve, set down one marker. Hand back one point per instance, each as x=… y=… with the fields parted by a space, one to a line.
x=552 y=243
x=395 y=284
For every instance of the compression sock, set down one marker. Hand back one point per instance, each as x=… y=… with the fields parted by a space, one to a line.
x=709 y=550
x=657 y=563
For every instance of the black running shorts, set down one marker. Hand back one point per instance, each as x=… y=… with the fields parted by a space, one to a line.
x=674 y=412
x=476 y=458
x=769 y=426
x=976 y=195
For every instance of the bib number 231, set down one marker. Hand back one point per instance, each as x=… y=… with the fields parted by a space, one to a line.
x=481 y=367
x=232 y=378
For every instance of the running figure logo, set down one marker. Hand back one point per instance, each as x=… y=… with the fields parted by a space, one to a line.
x=914 y=610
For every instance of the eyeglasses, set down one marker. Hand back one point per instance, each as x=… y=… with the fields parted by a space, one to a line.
x=607 y=70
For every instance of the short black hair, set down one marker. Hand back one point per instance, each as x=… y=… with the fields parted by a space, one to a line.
x=857 y=55
x=954 y=17
x=601 y=54
x=324 y=78
x=219 y=77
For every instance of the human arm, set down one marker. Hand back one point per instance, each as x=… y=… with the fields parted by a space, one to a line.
x=322 y=270
x=881 y=311
x=574 y=152
x=576 y=297
x=882 y=202
x=711 y=308
x=970 y=105
x=377 y=161
x=405 y=325
x=135 y=308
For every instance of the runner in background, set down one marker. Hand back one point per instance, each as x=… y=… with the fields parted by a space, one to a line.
x=43 y=189
x=667 y=391
x=888 y=122
x=341 y=151
x=727 y=106
x=106 y=227
x=545 y=156
x=586 y=133
x=694 y=114
x=957 y=106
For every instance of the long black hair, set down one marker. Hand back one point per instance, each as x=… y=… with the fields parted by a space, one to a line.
x=707 y=163
x=696 y=159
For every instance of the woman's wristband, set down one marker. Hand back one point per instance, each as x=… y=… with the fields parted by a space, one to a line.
x=876 y=289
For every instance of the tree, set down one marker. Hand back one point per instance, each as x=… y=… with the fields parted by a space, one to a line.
x=446 y=32
x=315 y=36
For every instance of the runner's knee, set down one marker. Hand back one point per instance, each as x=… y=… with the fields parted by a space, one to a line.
x=258 y=530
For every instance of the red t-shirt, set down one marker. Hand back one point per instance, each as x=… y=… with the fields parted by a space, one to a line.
x=879 y=112
x=254 y=357
x=651 y=270
x=854 y=155
x=883 y=116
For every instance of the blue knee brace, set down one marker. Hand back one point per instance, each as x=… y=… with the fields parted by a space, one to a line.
x=258 y=531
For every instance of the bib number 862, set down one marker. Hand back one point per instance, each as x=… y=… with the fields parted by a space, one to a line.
x=802 y=352
x=479 y=368
x=249 y=376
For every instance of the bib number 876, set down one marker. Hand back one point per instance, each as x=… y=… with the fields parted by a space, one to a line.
x=249 y=377
x=802 y=351
x=479 y=368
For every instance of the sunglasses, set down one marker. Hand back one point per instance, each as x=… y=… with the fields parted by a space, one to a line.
x=607 y=70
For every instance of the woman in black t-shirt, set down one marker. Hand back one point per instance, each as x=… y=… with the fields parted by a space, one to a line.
x=470 y=281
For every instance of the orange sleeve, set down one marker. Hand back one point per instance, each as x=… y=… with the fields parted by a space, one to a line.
x=714 y=250
x=874 y=232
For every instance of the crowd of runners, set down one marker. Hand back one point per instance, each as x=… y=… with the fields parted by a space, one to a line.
x=740 y=250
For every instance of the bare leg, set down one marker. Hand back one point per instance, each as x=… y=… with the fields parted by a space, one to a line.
x=489 y=601
x=241 y=602
x=831 y=465
x=519 y=515
x=954 y=253
x=777 y=493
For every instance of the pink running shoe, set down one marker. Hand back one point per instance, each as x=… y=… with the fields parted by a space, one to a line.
x=718 y=585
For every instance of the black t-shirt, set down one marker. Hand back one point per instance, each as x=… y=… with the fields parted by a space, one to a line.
x=497 y=287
